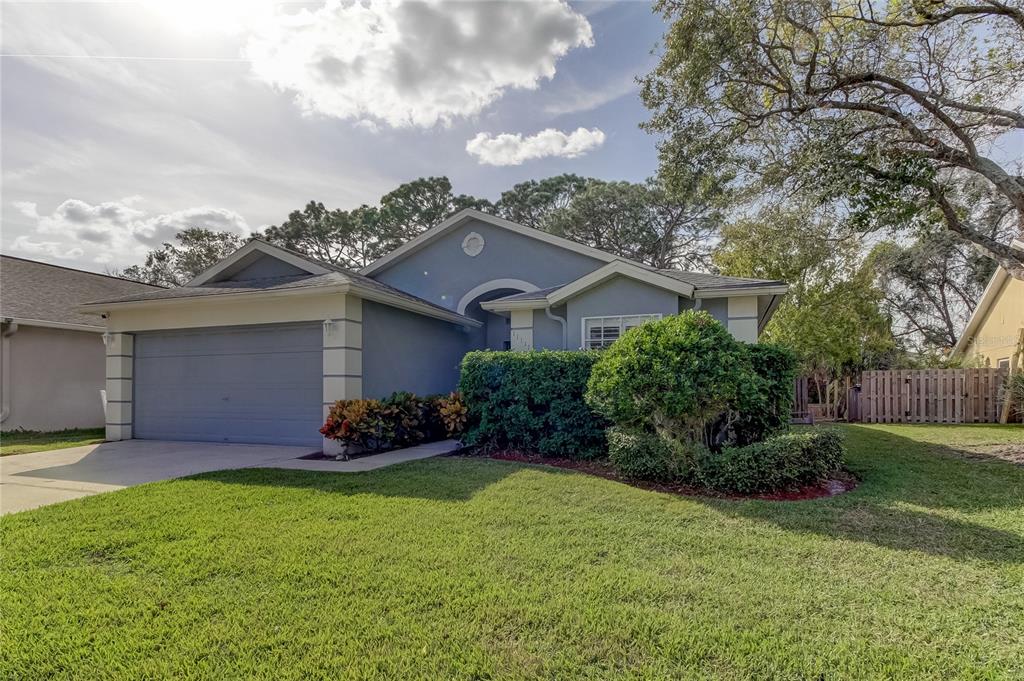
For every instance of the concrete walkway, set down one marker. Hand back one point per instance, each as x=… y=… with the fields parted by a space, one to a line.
x=42 y=478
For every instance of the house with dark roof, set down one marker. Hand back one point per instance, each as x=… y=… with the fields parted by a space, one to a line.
x=257 y=347
x=53 y=358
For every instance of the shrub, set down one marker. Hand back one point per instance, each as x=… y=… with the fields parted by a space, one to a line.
x=675 y=376
x=531 y=401
x=401 y=420
x=765 y=407
x=783 y=461
x=356 y=423
x=648 y=456
x=452 y=414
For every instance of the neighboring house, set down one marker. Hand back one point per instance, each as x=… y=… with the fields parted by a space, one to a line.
x=52 y=368
x=256 y=348
x=992 y=331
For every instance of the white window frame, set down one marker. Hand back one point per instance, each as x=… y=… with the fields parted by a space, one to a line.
x=585 y=341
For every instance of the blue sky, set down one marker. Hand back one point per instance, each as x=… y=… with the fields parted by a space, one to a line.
x=149 y=117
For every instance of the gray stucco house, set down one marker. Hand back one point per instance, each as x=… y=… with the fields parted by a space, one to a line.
x=52 y=354
x=257 y=347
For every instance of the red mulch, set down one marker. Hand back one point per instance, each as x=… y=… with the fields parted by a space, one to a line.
x=843 y=482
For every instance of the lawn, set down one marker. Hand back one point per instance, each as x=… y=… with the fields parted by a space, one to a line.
x=25 y=441
x=468 y=568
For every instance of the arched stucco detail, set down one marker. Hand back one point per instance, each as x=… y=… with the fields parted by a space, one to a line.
x=493 y=285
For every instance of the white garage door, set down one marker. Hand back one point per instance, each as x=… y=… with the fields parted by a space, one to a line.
x=260 y=384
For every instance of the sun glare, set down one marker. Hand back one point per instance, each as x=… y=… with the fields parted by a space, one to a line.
x=228 y=16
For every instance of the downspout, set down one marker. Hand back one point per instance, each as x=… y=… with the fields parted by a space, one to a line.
x=5 y=368
x=697 y=303
x=560 y=320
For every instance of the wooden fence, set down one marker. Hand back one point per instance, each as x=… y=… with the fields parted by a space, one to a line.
x=932 y=395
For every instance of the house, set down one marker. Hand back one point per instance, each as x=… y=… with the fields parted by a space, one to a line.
x=993 y=330
x=51 y=372
x=256 y=348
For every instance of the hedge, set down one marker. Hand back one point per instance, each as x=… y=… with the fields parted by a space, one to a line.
x=532 y=401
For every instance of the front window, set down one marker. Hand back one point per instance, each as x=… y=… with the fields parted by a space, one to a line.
x=600 y=332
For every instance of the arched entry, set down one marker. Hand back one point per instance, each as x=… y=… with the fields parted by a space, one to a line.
x=496 y=332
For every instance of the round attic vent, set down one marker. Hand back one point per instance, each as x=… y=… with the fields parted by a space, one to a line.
x=473 y=244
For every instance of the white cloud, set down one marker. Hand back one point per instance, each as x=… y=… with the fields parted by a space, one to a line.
x=509 y=149
x=116 y=233
x=414 y=63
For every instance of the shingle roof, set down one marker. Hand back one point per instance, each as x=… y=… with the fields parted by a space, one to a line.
x=339 y=276
x=699 y=280
x=31 y=290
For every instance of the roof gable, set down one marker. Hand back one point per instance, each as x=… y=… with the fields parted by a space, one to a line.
x=468 y=214
x=249 y=255
x=996 y=285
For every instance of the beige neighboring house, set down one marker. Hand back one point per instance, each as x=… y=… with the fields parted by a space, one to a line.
x=994 y=328
x=53 y=356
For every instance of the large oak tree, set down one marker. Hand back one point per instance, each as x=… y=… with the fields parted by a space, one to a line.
x=882 y=107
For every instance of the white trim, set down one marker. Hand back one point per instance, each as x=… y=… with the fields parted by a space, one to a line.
x=55 y=325
x=493 y=285
x=655 y=316
x=410 y=247
x=263 y=247
x=616 y=268
x=229 y=298
x=509 y=305
x=756 y=290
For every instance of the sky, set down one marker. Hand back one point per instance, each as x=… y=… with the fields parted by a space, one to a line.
x=124 y=122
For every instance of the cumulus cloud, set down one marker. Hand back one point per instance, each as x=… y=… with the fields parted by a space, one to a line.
x=113 y=233
x=509 y=149
x=413 y=63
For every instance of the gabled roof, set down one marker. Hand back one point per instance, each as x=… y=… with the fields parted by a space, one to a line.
x=322 y=277
x=40 y=294
x=468 y=214
x=687 y=284
x=996 y=285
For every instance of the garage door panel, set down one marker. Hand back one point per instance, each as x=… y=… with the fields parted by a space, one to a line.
x=254 y=384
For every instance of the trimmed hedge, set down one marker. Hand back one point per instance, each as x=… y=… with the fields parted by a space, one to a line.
x=532 y=401
x=781 y=462
x=766 y=409
x=646 y=456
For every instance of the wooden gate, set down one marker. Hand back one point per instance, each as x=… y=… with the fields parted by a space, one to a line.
x=932 y=395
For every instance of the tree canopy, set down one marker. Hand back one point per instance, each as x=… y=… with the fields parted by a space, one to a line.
x=175 y=264
x=884 y=109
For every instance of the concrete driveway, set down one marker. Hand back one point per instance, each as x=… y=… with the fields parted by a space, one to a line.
x=42 y=478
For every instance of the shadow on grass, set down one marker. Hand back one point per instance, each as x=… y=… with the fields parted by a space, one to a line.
x=898 y=474
x=459 y=479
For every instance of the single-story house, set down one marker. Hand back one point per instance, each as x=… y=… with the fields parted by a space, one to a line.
x=992 y=331
x=52 y=368
x=256 y=348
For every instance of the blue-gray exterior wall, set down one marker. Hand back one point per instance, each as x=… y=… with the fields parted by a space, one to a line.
x=717 y=308
x=442 y=273
x=618 y=296
x=547 y=333
x=406 y=351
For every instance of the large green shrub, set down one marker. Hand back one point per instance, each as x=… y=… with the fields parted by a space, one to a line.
x=531 y=401
x=649 y=456
x=765 y=408
x=784 y=461
x=675 y=377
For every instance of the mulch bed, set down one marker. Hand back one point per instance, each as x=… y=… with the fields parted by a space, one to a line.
x=843 y=482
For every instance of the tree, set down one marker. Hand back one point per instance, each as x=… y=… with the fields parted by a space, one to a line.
x=347 y=238
x=641 y=222
x=884 y=108
x=532 y=203
x=930 y=287
x=356 y=238
x=832 y=317
x=174 y=265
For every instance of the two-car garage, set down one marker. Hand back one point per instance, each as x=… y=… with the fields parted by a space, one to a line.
x=258 y=384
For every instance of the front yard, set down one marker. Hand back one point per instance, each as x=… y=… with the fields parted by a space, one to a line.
x=476 y=568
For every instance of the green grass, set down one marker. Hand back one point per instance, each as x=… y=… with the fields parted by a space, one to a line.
x=463 y=568
x=25 y=441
